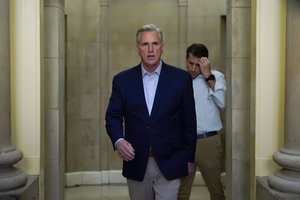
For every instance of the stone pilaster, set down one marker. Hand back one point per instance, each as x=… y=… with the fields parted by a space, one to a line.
x=183 y=27
x=11 y=178
x=287 y=180
x=54 y=100
x=104 y=78
x=238 y=110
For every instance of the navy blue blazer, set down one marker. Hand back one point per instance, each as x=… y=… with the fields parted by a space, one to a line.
x=170 y=130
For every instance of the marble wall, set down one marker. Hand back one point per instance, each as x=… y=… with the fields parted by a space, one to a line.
x=82 y=86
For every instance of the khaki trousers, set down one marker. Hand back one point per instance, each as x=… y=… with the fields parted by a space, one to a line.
x=154 y=186
x=208 y=159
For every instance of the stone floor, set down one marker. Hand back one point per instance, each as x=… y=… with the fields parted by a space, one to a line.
x=118 y=192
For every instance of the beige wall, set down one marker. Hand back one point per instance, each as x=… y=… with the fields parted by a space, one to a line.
x=26 y=82
x=269 y=98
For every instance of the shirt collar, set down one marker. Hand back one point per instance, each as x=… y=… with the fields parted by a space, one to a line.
x=157 y=71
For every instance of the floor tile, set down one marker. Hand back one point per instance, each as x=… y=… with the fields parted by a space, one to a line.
x=118 y=192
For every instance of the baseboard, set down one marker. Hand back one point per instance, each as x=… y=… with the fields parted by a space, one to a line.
x=106 y=177
x=94 y=178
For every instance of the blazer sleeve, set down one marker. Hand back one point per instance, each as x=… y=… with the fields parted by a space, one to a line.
x=115 y=112
x=189 y=114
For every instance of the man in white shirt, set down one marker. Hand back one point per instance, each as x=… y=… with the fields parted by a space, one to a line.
x=209 y=93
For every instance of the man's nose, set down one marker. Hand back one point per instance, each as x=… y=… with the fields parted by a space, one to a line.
x=150 y=48
x=194 y=67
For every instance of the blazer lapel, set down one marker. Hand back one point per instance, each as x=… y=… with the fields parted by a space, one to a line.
x=138 y=83
x=161 y=89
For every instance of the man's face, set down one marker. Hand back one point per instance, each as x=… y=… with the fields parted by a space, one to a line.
x=193 y=66
x=150 y=50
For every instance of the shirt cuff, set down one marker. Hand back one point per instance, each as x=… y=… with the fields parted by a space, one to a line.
x=117 y=142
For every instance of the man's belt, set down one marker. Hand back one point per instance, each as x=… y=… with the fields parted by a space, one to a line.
x=206 y=135
x=150 y=154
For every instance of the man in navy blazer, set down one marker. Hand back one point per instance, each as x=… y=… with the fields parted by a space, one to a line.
x=151 y=121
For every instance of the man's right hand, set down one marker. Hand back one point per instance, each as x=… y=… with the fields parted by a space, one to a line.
x=125 y=150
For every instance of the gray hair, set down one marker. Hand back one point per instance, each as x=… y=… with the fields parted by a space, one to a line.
x=149 y=28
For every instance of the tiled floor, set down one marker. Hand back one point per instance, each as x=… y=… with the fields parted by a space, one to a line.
x=118 y=192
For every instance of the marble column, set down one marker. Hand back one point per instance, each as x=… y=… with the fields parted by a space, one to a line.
x=287 y=180
x=10 y=177
x=54 y=100
x=182 y=4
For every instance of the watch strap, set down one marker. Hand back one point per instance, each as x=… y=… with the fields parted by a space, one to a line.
x=211 y=77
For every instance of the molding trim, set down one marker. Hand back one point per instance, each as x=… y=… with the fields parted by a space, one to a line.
x=106 y=177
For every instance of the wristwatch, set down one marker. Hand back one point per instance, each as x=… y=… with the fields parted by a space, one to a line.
x=211 y=77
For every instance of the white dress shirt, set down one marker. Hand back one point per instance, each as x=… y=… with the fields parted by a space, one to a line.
x=209 y=102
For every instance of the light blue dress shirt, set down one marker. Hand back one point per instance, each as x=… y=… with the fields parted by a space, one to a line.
x=208 y=102
x=150 y=81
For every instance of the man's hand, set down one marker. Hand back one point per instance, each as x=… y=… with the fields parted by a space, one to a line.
x=125 y=150
x=206 y=71
x=205 y=66
x=191 y=170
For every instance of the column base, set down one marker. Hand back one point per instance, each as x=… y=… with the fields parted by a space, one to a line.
x=265 y=192
x=29 y=192
x=11 y=178
x=288 y=159
x=285 y=180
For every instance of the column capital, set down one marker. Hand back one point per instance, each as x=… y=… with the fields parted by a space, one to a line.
x=182 y=3
x=104 y=3
x=55 y=3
